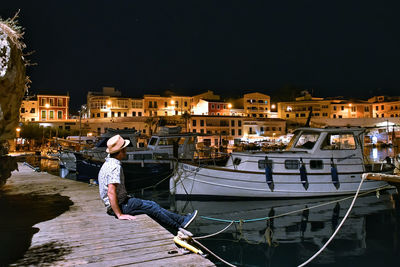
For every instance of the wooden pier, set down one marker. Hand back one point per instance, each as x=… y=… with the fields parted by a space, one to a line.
x=62 y=222
x=393 y=179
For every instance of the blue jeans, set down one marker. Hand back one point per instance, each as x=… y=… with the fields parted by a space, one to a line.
x=135 y=206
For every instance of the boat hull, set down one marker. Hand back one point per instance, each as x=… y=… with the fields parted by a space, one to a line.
x=138 y=175
x=191 y=181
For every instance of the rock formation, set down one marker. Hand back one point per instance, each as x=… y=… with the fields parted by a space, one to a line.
x=13 y=84
x=13 y=79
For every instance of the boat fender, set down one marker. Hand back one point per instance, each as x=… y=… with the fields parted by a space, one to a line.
x=186 y=245
x=334 y=174
x=303 y=174
x=268 y=174
x=173 y=181
x=397 y=164
x=172 y=186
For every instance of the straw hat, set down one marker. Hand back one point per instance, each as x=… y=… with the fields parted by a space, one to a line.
x=116 y=144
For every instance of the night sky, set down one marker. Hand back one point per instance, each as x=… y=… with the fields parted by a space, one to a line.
x=349 y=48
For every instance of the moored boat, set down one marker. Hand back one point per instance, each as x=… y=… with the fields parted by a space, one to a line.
x=317 y=162
x=143 y=167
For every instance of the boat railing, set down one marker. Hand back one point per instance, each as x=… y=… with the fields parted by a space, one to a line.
x=94 y=154
x=336 y=161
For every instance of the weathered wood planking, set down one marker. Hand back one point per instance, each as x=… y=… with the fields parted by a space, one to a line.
x=85 y=235
x=395 y=179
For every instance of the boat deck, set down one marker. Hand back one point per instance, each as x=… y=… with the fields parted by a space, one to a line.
x=53 y=221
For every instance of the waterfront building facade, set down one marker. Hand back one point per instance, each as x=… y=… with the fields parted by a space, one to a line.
x=385 y=107
x=209 y=95
x=29 y=109
x=53 y=107
x=299 y=109
x=111 y=107
x=350 y=109
x=260 y=129
x=110 y=104
x=251 y=118
x=212 y=107
x=217 y=130
x=156 y=105
x=257 y=105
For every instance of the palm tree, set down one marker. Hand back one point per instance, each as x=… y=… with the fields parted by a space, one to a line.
x=150 y=122
x=186 y=116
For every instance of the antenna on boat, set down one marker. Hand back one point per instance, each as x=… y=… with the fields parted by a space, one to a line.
x=309 y=118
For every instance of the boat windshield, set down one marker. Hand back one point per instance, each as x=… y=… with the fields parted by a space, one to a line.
x=339 y=141
x=294 y=138
x=168 y=141
x=307 y=140
x=152 y=141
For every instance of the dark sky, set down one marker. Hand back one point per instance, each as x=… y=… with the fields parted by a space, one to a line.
x=349 y=48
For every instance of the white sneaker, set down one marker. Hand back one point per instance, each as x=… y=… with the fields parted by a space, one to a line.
x=189 y=219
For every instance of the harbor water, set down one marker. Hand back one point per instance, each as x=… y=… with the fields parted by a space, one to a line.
x=287 y=232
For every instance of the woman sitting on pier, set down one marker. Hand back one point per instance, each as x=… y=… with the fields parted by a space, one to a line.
x=119 y=203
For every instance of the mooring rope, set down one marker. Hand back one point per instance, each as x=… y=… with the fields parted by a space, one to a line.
x=231 y=222
x=217 y=233
x=294 y=211
x=212 y=253
x=236 y=221
x=338 y=228
x=159 y=182
x=280 y=215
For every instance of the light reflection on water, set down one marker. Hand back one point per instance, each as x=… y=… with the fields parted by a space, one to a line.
x=289 y=240
x=379 y=154
x=370 y=234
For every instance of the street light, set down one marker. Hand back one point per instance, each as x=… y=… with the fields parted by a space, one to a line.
x=17 y=130
x=83 y=109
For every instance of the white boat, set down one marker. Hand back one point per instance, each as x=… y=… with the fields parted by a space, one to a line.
x=67 y=160
x=316 y=162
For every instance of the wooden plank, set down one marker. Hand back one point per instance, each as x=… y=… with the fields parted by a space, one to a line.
x=142 y=256
x=86 y=235
x=108 y=239
x=177 y=261
x=383 y=177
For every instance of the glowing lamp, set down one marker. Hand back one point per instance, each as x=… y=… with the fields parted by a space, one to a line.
x=229 y=105
x=47 y=105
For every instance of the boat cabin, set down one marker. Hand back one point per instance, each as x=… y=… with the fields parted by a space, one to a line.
x=180 y=146
x=317 y=148
x=131 y=135
x=327 y=141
